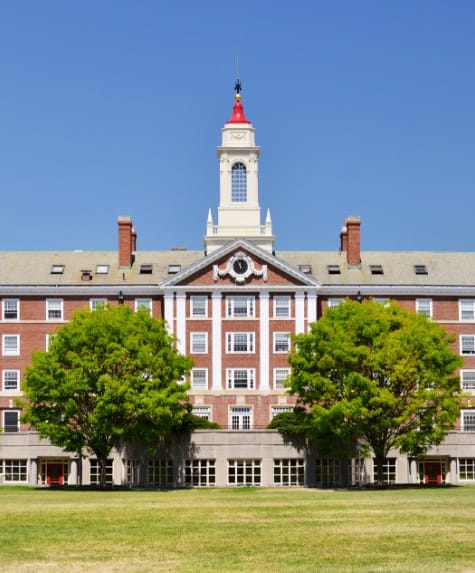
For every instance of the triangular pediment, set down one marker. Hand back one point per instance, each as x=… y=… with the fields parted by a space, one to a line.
x=240 y=262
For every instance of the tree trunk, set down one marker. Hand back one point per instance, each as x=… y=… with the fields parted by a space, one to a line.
x=379 y=461
x=102 y=472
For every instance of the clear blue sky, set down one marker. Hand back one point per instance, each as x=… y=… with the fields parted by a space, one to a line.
x=114 y=107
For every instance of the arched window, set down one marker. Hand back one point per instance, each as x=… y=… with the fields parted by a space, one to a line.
x=239 y=183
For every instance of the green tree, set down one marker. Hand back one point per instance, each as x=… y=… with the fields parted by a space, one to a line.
x=110 y=375
x=376 y=375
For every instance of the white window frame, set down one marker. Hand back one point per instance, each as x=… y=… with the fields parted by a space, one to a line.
x=200 y=473
x=199 y=378
x=334 y=302
x=7 y=429
x=424 y=306
x=54 y=306
x=276 y=410
x=468 y=420
x=466 y=469
x=94 y=471
x=14 y=471
x=466 y=309
x=289 y=472
x=11 y=306
x=202 y=412
x=198 y=342
x=12 y=385
x=282 y=306
x=145 y=303
x=281 y=339
x=467 y=344
x=198 y=306
x=467 y=380
x=240 y=418
x=240 y=343
x=240 y=378
x=240 y=306
x=280 y=375
x=244 y=472
x=8 y=348
x=389 y=471
x=95 y=302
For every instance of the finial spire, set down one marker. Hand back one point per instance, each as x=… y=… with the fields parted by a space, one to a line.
x=238 y=111
x=237 y=85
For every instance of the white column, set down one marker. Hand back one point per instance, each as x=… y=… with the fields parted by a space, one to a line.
x=73 y=473
x=216 y=340
x=33 y=477
x=299 y=312
x=312 y=306
x=264 y=340
x=168 y=311
x=181 y=321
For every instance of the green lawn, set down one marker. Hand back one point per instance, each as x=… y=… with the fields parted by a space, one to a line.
x=248 y=530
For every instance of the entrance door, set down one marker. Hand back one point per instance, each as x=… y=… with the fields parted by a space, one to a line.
x=55 y=475
x=433 y=473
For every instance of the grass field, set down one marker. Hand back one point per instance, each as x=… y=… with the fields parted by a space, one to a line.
x=248 y=530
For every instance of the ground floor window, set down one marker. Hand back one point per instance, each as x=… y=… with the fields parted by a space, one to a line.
x=389 y=471
x=289 y=471
x=467 y=468
x=132 y=471
x=160 y=473
x=200 y=473
x=95 y=472
x=13 y=470
x=327 y=472
x=244 y=472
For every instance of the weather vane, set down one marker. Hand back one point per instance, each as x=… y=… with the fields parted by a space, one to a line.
x=237 y=85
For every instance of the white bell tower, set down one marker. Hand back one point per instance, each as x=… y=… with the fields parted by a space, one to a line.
x=239 y=214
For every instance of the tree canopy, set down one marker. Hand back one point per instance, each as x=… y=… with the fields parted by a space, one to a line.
x=377 y=375
x=110 y=375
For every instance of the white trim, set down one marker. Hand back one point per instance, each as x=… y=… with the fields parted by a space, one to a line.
x=299 y=312
x=181 y=322
x=168 y=311
x=216 y=339
x=264 y=335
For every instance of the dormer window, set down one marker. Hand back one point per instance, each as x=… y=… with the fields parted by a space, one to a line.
x=306 y=269
x=57 y=269
x=146 y=269
x=174 y=269
x=238 y=183
x=376 y=269
x=86 y=275
x=420 y=270
x=333 y=269
x=102 y=269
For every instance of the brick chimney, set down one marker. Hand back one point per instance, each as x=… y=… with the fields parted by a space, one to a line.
x=127 y=242
x=350 y=241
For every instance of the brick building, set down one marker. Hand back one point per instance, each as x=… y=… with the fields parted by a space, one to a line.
x=232 y=307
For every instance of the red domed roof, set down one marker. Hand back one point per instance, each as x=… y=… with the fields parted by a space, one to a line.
x=238 y=112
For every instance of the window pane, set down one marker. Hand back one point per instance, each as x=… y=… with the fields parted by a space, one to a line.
x=238 y=183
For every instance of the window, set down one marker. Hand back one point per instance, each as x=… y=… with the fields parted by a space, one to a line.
x=420 y=270
x=333 y=302
x=327 y=472
x=146 y=269
x=467 y=378
x=281 y=342
x=275 y=410
x=333 y=269
x=240 y=307
x=10 y=380
x=11 y=309
x=467 y=309
x=467 y=468
x=173 y=269
x=14 y=470
x=240 y=418
x=280 y=375
x=54 y=309
x=86 y=275
x=376 y=269
x=160 y=473
x=199 y=306
x=240 y=378
x=305 y=269
x=199 y=342
x=239 y=342
x=424 y=306
x=144 y=304
x=11 y=421
x=95 y=472
x=57 y=269
x=202 y=412
x=468 y=420
x=281 y=306
x=102 y=269
x=289 y=472
x=11 y=345
x=244 y=472
x=96 y=302
x=200 y=473
x=467 y=344
x=132 y=472
x=199 y=379
x=389 y=471
x=238 y=183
